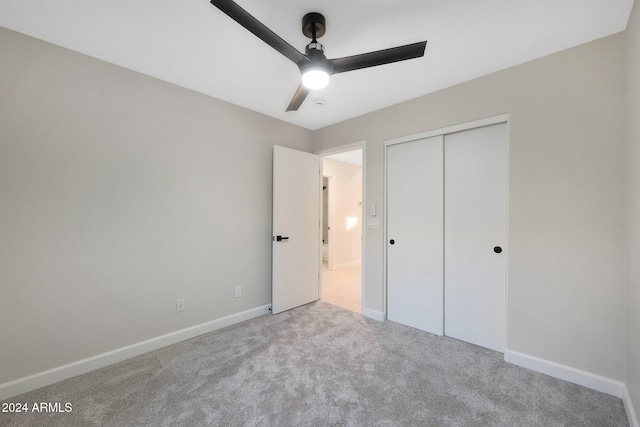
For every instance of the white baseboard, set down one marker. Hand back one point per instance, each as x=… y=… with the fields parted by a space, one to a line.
x=628 y=406
x=41 y=379
x=347 y=264
x=567 y=373
x=373 y=314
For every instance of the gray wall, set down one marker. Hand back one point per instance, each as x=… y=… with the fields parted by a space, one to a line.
x=632 y=297
x=566 y=233
x=119 y=194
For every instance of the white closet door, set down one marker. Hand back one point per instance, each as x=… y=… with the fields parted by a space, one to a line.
x=415 y=233
x=475 y=233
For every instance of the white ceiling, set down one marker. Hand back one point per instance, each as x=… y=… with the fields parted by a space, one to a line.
x=194 y=45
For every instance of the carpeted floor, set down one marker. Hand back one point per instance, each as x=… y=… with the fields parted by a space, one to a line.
x=319 y=365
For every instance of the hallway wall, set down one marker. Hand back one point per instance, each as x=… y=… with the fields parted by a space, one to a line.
x=347 y=221
x=632 y=231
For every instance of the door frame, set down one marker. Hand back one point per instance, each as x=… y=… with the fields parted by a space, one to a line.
x=330 y=219
x=502 y=118
x=362 y=145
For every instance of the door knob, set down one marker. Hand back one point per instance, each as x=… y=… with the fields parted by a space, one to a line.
x=392 y=241
x=281 y=238
x=497 y=249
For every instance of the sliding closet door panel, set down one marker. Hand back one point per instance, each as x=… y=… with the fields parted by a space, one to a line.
x=415 y=233
x=475 y=164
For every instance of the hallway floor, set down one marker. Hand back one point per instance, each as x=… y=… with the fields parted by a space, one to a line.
x=343 y=287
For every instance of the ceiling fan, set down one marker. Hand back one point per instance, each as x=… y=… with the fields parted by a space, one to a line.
x=314 y=66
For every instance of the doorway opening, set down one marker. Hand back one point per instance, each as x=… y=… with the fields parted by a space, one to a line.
x=342 y=231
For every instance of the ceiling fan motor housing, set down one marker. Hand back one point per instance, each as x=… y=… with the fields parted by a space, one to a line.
x=313 y=26
x=313 y=21
x=317 y=59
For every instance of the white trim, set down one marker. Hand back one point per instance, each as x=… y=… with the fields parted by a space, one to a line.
x=341 y=149
x=348 y=264
x=628 y=406
x=363 y=233
x=373 y=314
x=450 y=129
x=331 y=233
x=385 y=234
x=567 y=373
x=320 y=230
x=507 y=241
x=41 y=379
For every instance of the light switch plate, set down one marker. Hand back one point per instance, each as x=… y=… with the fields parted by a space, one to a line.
x=373 y=223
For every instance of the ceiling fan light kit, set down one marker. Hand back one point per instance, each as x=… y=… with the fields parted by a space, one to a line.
x=315 y=68
x=315 y=79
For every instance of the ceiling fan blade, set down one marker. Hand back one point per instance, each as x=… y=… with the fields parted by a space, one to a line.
x=298 y=98
x=245 y=19
x=379 y=57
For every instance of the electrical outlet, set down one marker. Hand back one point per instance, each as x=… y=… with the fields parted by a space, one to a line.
x=179 y=305
x=238 y=291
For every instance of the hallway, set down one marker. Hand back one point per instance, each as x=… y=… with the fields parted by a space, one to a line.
x=343 y=287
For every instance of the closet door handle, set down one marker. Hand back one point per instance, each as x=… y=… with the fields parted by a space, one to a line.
x=497 y=249
x=392 y=242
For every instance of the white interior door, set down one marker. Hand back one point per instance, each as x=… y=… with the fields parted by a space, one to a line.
x=297 y=182
x=415 y=234
x=475 y=235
